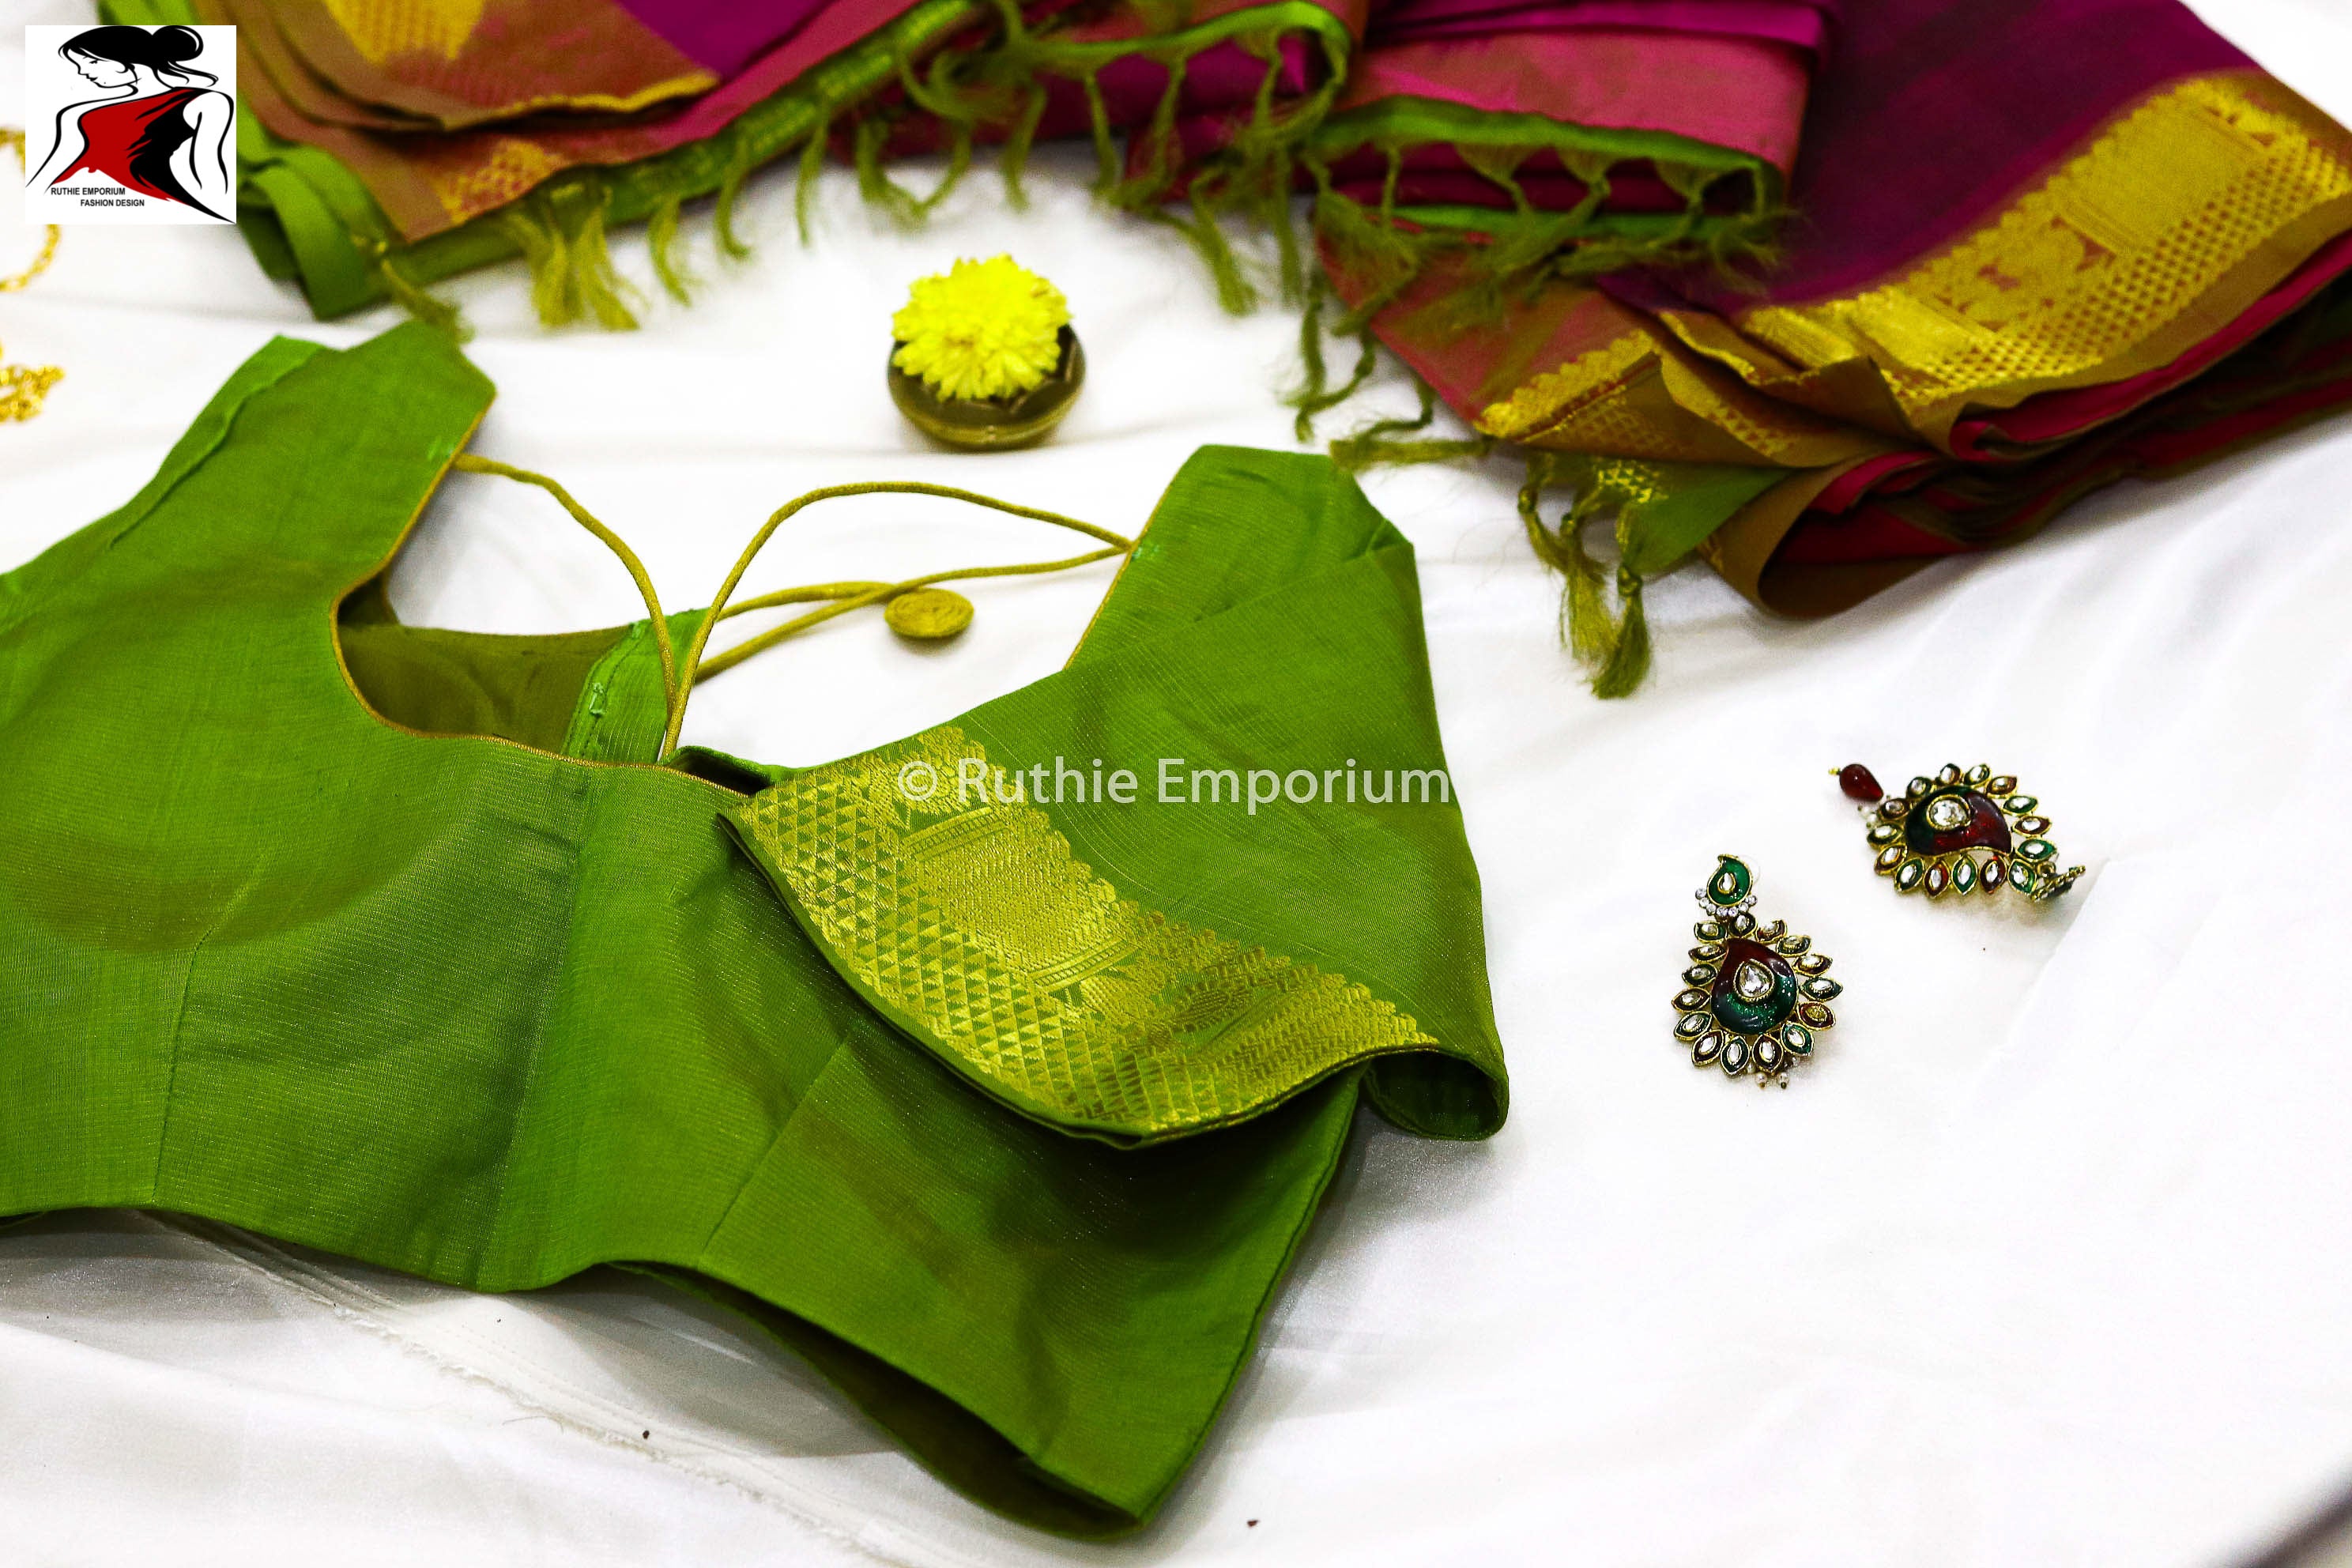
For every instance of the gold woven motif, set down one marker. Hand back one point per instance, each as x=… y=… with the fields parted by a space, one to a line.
x=380 y=29
x=2169 y=222
x=2113 y=260
x=1641 y=395
x=467 y=183
x=970 y=915
x=1553 y=397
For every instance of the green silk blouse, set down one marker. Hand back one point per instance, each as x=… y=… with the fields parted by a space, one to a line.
x=1009 y=1113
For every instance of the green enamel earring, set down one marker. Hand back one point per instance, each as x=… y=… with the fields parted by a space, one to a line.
x=1755 y=997
x=1959 y=833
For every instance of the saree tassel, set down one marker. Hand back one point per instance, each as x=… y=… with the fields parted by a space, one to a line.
x=722 y=210
x=1390 y=259
x=958 y=109
x=1661 y=511
x=1260 y=169
x=1098 y=126
x=1370 y=447
x=1628 y=664
x=959 y=165
x=593 y=286
x=1315 y=376
x=811 y=163
x=1314 y=395
x=1280 y=213
x=1584 y=625
x=1234 y=291
x=1013 y=162
x=418 y=301
x=1386 y=257
x=1375 y=445
x=561 y=236
x=1615 y=646
x=1738 y=249
x=530 y=228
x=1160 y=153
x=873 y=183
x=1744 y=253
x=662 y=245
x=1499 y=168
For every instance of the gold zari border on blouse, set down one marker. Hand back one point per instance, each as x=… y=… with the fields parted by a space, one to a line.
x=2172 y=220
x=972 y=917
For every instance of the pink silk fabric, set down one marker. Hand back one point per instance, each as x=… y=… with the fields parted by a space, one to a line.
x=1746 y=94
x=1801 y=23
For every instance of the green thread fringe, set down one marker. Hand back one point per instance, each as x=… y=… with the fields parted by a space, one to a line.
x=419 y=302
x=661 y=242
x=999 y=83
x=1512 y=260
x=560 y=229
x=1375 y=446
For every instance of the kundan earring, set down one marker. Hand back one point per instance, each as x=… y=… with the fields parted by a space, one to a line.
x=1959 y=833
x=1754 y=996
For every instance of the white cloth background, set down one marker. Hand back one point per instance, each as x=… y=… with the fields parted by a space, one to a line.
x=2047 y=1260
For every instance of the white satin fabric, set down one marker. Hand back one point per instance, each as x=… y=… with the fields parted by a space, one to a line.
x=2046 y=1259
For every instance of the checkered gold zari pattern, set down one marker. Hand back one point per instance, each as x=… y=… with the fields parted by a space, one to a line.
x=481 y=172
x=968 y=918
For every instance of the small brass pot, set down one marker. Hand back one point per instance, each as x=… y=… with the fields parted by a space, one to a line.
x=983 y=424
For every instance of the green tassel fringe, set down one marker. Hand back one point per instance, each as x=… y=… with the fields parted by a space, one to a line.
x=805 y=184
x=560 y=229
x=1375 y=445
x=723 y=211
x=427 y=306
x=1615 y=646
x=661 y=240
x=1001 y=82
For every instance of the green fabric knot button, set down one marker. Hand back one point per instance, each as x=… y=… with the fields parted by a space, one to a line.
x=929 y=614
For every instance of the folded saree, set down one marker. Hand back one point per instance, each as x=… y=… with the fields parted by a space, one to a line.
x=388 y=147
x=413 y=68
x=1667 y=116
x=356 y=208
x=2041 y=245
x=1007 y=1107
x=1461 y=112
x=348 y=189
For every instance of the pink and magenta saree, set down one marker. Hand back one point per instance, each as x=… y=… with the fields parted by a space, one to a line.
x=1821 y=291
x=2039 y=245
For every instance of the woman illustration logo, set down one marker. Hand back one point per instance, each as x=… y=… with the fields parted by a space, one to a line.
x=158 y=134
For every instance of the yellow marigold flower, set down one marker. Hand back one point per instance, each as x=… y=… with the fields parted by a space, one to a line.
x=981 y=329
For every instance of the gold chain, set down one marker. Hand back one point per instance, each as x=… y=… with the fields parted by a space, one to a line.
x=24 y=387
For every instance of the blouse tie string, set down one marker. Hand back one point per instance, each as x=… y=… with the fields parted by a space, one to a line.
x=680 y=675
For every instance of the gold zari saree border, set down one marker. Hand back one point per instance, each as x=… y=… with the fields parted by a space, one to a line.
x=2178 y=216
x=1643 y=394
x=967 y=918
x=2173 y=218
